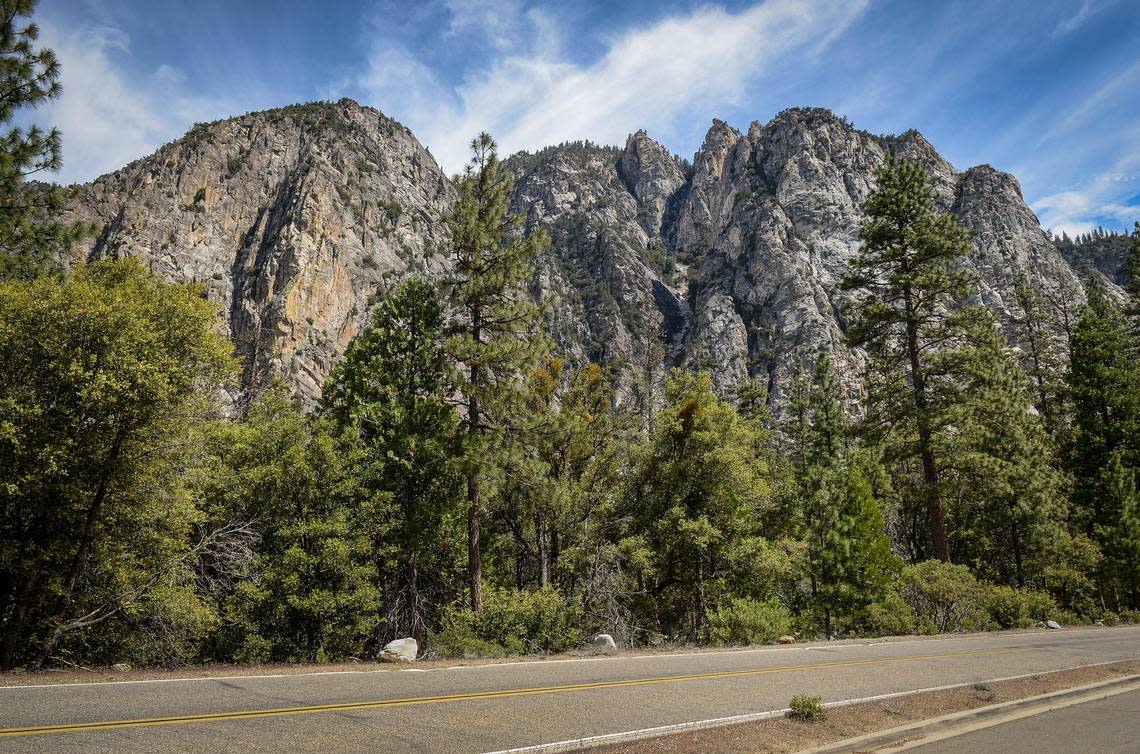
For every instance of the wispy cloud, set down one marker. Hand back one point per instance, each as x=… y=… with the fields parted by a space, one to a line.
x=107 y=118
x=1104 y=197
x=681 y=65
x=1082 y=14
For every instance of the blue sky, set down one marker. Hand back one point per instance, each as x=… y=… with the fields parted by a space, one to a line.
x=1046 y=89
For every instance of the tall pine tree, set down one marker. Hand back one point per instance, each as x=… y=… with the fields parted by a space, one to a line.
x=496 y=334
x=907 y=274
x=1103 y=453
x=393 y=390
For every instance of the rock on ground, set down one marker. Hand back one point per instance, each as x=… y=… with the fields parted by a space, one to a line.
x=400 y=650
x=604 y=644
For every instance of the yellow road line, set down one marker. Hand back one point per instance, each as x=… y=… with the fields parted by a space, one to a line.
x=470 y=696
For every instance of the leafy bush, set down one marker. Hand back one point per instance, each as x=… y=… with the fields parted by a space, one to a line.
x=1039 y=606
x=1005 y=606
x=1130 y=616
x=942 y=597
x=745 y=621
x=1110 y=618
x=512 y=622
x=890 y=615
x=807 y=708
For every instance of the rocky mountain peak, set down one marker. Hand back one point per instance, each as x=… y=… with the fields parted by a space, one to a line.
x=297 y=220
x=653 y=176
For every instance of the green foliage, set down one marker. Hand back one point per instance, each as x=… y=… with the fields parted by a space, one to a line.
x=941 y=596
x=496 y=336
x=391 y=391
x=1103 y=452
x=309 y=593
x=512 y=622
x=889 y=615
x=907 y=274
x=698 y=487
x=806 y=708
x=1008 y=501
x=106 y=373
x=747 y=621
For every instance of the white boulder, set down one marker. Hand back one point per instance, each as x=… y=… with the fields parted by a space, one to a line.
x=400 y=650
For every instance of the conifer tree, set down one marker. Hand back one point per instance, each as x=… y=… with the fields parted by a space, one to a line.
x=1103 y=453
x=1133 y=268
x=28 y=78
x=1041 y=361
x=496 y=336
x=697 y=492
x=392 y=390
x=849 y=555
x=1009 y=499
x=908 y=273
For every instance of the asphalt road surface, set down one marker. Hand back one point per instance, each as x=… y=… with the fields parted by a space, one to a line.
x=1105 y=726
x=494 y=707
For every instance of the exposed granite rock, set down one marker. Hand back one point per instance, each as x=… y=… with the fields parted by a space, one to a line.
x=296 y=220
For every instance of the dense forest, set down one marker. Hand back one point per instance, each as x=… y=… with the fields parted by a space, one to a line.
x=462 y=483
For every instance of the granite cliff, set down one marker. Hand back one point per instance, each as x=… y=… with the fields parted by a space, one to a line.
x=298 y=219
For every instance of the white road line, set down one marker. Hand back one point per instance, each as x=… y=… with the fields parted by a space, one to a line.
x=571 y=744
x=518 y=663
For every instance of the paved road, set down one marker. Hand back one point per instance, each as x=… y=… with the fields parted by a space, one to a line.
x=1106 y=726
x=471 y=709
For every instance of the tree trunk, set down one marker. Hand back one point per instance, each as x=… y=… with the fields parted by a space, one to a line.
x=474 y=557
x=541 y=544
x=78 y=563
x=934 y=515
x=474 y=564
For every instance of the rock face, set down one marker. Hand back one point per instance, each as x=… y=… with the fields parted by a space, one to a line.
x=296 y=220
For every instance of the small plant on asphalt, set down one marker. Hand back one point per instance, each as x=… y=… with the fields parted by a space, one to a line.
x=804 y=707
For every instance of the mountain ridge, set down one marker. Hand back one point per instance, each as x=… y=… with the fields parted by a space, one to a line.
x=298 y=219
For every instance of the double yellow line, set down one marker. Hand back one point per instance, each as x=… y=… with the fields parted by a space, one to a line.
x=148 y=722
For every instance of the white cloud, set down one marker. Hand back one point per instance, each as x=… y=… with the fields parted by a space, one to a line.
x=678 y=66
x=500 y=22
x=1079 y=210
x=108 y=119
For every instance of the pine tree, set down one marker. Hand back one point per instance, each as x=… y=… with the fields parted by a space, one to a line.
x=848 y=552
x=908 y=272
x=1035 y=334
x=28 y=77
x=1009 y=496
x=1133 y=268
x=697 y=491
x=496 y=334
x=392 y=390
x=1104 y=389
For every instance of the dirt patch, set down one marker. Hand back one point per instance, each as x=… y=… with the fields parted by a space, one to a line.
x=781 y=734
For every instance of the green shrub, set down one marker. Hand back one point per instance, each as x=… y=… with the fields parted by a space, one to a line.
x=889 y=615
x=745 y=621
x=1004 y=606
x=1130 y=616
x=512 y=622
x=942 y=597
x=803 y=707
x=1039 y=606
x=1110 y=618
